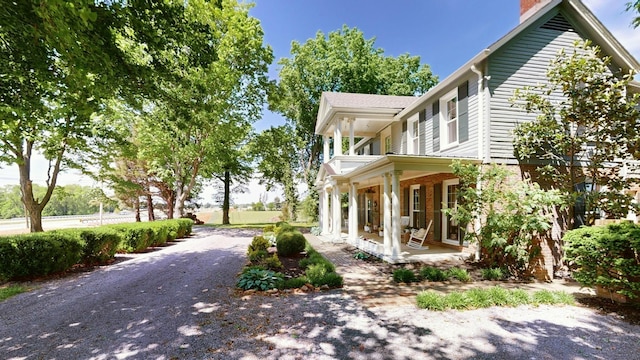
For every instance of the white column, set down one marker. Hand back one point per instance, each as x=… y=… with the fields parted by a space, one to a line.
x=353 y=213
x=335 y=204
x=395 y=203
x=352 y=150
x=326 y=153
x=325 y=210
x=337 y=138
x=386 y=203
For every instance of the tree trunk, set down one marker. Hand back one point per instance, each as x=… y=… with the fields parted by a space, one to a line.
x=150 y=207
x=225 y=202
x=136 y=205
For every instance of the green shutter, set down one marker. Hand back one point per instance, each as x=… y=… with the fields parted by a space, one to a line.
x=437 y=207
x=422 y=120
x=405 y=192
x=435 y=115
x=463 y=112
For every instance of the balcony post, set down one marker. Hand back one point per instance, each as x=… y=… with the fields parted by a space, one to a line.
x=395 y=212
x=337 y=138
x=352 y=150
x=326 y=155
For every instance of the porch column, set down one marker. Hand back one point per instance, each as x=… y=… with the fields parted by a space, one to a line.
x=352 y=150
x=353 y=213
x=325 y=153
x=337 y=138
x=395 y=201
x=387 y=216
x=324 y=196
x=335 y=203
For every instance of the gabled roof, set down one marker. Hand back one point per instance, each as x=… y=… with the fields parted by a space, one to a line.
x=351 y=100
x=577 y=11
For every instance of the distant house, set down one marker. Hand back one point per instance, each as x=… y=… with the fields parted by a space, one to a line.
x=399 y=171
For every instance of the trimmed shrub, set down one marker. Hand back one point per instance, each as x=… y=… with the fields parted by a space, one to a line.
x=433 y=274
x=283 y=226
x=256 y=256
x=319 y=275
x=272 y=262
x=606 y=256
x=258 y=243
x=404 y=275
x=258 y=279
x=98 y=244
x=139 y=236
x=38 y=254
x=290 y=243
x=268 y=229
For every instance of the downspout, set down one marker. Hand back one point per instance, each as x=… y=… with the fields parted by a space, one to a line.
x=480 y=103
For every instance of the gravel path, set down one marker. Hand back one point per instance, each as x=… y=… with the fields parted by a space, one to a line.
x=178 y=303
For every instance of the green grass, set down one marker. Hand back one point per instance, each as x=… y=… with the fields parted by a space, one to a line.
x=495 y=296
x=11 y=290
x=250 y=219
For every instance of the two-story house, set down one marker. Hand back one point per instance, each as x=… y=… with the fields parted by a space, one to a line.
x=397 y=167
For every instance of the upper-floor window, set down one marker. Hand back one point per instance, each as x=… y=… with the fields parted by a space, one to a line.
x=387 y=144
x=414 y=137
x=449 y=116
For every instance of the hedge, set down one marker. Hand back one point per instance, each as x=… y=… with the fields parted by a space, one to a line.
x=39 y=254
x=606 y=256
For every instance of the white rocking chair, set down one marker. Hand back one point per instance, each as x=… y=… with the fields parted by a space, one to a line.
x=417 y=238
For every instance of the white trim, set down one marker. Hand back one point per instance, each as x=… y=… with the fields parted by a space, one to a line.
x=444 y=120
x=445 y=204
x=412 y=210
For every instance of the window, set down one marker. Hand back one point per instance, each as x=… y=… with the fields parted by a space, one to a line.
x=415 y=205
x=414 y=139
x=387 y=144
x=449 y=116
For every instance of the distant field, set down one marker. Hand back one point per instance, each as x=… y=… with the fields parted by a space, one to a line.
x=240 y=217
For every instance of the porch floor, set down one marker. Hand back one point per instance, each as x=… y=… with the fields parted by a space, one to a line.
x=435 y=252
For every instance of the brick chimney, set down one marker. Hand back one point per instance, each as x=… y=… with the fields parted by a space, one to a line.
x=530 y=7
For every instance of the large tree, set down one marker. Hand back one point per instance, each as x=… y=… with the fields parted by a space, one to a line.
x=587 y=127
x=634 y=6
x=60 y=60
x=341 y=61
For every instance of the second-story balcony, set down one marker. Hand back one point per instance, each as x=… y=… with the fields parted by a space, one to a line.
x=343 y=164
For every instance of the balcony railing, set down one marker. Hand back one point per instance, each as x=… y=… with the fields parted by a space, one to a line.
x=343 y=164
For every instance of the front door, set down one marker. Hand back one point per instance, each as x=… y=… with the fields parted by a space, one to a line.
x=414 y=206
x=451 y=231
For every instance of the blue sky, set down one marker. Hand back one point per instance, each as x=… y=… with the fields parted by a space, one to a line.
x=445 y=34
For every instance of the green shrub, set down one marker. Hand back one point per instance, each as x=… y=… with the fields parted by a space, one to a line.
x=292 y=283
x=313 y=258
x=318 y=275
x=272 y=262
x=519 y=297
x=456 y=300
x=283 y=226
x=361 y=255
x=257 y=256
x=290 y=243
x=492 y=274
x=259 y=243
x=258 y=279
x=38 y=254
x=98 y=244
x=459 y=274
x=404 y=275
x=433 y=274
x=606 y=256
x=268 y=229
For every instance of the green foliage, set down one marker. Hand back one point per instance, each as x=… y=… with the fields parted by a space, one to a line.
x=293 y=283
x=257 y=256
x=37 y=254
x=361 y=255
x=344 y=61
x=634 y=6
x=404 y=276
x=310 y=206
x=139 y=236
x=507 y=218
x=459 y=274
x=493 y=274
x=290 y=243
x=259 y=279
x=314 y=258
x=433 y=274
x=495 y=296
x=11 y=290
x=598 y=113
x=259 y=243
x=268 y=229
x=99 y=244
x=272 y=262
x=606 y=256
x=319 y=274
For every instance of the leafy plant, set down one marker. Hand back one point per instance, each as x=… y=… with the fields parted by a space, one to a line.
x=433 y=274
x=459 y=274
x=404 y=275
x=272 y=262
x=361 y=255
x=492 y=274
x=259 y=279
x=258 y=243
x=293 y=283
x=315 y=230
x=290 y=242
x=257 y=256
x=606 y=256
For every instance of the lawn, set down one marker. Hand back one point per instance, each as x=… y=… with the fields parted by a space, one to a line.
x=253 y=218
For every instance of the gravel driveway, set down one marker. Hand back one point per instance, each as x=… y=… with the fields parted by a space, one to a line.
x=178 y=303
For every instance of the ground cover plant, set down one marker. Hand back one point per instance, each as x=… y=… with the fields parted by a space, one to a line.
x=11 y=290
x=494 y=296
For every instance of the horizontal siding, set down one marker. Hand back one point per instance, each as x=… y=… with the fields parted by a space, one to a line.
x=468 y=148
x=522 y=62
x=396 y=138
